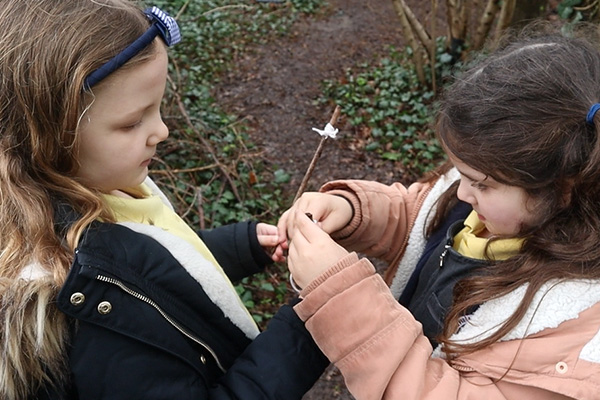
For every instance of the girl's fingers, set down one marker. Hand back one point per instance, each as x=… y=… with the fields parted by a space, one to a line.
x=268 y=240
x=311 y=251
x=283 y=229
x=307 y=228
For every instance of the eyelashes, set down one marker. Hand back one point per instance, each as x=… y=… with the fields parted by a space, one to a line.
x=479 y=185
x=132 y=126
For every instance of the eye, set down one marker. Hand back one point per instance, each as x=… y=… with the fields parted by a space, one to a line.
x=479 y=185
x=132 y=126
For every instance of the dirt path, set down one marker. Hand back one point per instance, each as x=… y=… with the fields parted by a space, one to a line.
x=274 y=88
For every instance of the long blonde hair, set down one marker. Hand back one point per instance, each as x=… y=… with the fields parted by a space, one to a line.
x=47 y=48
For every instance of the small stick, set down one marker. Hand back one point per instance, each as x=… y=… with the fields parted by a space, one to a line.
x=313 y=162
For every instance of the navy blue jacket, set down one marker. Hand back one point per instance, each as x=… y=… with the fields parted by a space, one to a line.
x=143 y=328
x=429 y=292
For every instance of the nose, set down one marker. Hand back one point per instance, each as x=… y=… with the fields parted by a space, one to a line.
x=159 y=133
x=465 y=192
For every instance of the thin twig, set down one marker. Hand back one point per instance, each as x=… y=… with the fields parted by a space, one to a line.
x=313 y=162
x=432 y=45
x=204 y=142
x=182 y=9
x=244 y=6
x=183 y=170
x=595 y=3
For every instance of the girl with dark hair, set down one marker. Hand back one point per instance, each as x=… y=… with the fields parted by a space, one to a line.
x=495 y=262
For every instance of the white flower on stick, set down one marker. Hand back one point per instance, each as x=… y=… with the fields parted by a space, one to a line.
x=328 y=132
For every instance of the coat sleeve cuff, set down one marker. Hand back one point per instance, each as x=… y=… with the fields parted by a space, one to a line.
x=338 y=188
x=345 y=273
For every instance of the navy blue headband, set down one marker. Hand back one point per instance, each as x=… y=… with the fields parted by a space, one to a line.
x=592 y=113
x=162 y=24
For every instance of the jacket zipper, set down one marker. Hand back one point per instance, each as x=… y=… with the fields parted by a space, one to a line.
x=443 y=255
x=151 y=302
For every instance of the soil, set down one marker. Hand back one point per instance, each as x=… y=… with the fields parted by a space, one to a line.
x=274 y=87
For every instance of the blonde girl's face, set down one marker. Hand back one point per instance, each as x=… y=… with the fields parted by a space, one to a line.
x=121 y=129
x=502 y=208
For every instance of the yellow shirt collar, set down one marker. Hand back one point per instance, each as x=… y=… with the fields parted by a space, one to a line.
x=150 y=209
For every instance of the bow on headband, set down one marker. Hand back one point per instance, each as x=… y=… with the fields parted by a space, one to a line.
x=162 y=24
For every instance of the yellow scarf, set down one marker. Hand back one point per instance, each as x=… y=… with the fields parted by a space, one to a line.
x=469 y=245
x=150 y=209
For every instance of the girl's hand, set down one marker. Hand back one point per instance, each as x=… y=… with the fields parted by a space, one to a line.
x=269 y=239
x=311 y=250
x=331 y=213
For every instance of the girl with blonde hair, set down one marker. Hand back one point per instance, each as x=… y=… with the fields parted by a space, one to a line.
x=105 y=293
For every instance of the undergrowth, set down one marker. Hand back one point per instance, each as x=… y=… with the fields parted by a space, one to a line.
x=390 y=109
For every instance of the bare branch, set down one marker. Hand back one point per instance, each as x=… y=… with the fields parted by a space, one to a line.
x=452 y=17
x=410 y=38
x=432 y=46
x=417 y=27
x=313 y=162
x=204 y=142
x=506 y=15
x=485 y=23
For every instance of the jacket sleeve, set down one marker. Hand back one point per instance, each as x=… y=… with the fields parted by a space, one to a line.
x=386 y=355
x=143 y=328
x=383 y=215
x=283 y=362
x=236 y=248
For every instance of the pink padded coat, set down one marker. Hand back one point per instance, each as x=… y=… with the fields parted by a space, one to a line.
x=554 y=353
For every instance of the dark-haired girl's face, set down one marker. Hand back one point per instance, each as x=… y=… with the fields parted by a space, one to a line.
x=504 y=210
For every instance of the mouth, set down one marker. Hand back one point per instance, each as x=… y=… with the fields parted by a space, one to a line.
x=147 y=161
x=481 y=217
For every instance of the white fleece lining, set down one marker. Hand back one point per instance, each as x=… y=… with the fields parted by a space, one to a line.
x=203 y=271
x=215 y=285
x=553 y=304
x=416 y=240
x=33 y=272
x=558 y=302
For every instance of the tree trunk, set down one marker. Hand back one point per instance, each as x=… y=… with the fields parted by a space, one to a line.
x=457 y=15
x=506 y=15
x=432 y=48
x=485 y=23
x=417 y=27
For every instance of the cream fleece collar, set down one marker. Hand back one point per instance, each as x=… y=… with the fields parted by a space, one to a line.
x=554 y=303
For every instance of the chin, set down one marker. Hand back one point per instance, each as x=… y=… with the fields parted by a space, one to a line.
x=138 y=181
